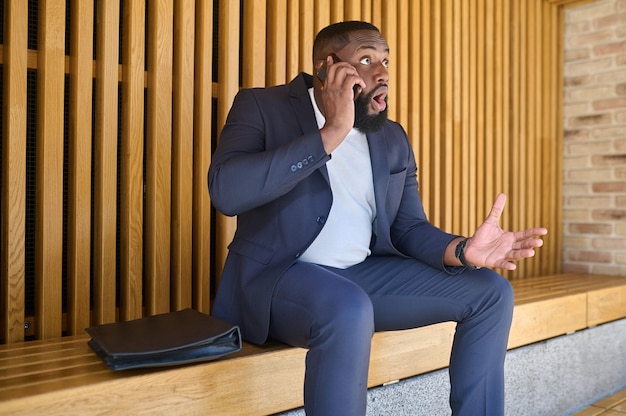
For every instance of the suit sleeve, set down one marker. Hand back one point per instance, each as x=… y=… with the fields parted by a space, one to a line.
x=411 y=231
x=261 y=155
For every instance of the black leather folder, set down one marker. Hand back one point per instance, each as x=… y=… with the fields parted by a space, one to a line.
x=162 y=340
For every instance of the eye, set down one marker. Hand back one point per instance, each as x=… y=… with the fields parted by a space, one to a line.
x=386 y=63
x=365 y=61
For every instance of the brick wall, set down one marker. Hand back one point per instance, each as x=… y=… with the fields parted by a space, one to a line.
x=594 y=176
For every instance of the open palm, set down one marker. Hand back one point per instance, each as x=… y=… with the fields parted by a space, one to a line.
x=491 y=246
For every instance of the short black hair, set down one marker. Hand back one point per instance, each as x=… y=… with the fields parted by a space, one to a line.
x=337 y=33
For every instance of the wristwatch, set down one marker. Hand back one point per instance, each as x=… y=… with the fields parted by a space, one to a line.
x=459 y=253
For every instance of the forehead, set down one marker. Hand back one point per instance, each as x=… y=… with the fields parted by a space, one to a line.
x=366 y=39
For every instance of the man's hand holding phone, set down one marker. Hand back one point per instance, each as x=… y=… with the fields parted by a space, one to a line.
x=323 y=72
x=336 y=99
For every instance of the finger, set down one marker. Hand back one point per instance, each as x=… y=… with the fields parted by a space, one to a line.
x=530 y=233
x=506 y=265
x=496 y=209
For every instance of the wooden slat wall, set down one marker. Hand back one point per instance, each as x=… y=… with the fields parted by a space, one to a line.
x=476 y=84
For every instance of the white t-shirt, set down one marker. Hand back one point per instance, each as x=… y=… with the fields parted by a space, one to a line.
x=345 y=238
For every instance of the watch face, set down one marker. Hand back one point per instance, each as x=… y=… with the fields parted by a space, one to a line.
x=459 y=249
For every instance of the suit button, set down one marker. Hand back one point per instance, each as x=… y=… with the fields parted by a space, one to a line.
x=299 y=165
x=321 y=220
x=294 y=168
x=311 y=159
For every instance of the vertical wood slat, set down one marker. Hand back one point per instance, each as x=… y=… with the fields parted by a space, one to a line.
x=489 y=108
x=556 y=133
x=424 y=160
x=516 y=43
x=434 y=174
x=480 y=167
x=459 y=217
x=254 y=47
x=402 y=62
x=530 y=137
x=182 y=155
x=202 y=157
x=389 y=30
x=105 y=161
x=228 y=86
x=13 y=197
x=131 y=161
x=49 y=211
x=448 y=149
x=293 y=39
x=321 y=16
x=472 y=157
x=158 y=156
x=79 y=204
x=276 y=42
x=307 y=34
x=503 y=102
x=415 y=88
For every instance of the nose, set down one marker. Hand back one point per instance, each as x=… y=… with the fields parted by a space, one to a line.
x=381 y=74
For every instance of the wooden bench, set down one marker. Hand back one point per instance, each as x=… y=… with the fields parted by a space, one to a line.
x=63 y=376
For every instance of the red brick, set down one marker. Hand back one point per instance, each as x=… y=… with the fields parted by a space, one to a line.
x=577 y=54
x=578 y=27
x=589 y=11
x=609 y=214
x=576 y=134
x=590 y=228
x=612 y=187
x=610 y=103
x=609 y=160
x=577 y=81
x=610 y=21
x=588 y=39
x=609 y=243
x=591 y=66
x=611 y=132
x=620 y=173
x=609 y=48
x=591 y=119
x=590 y=256
x=620 y=89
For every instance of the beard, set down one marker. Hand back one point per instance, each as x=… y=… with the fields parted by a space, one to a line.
x=365 y=122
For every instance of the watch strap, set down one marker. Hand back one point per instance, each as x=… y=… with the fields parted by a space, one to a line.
x=459 y=253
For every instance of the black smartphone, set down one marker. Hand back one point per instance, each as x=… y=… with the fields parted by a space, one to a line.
x=321 y=74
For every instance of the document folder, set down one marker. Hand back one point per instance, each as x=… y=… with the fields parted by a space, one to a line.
x=172 y=338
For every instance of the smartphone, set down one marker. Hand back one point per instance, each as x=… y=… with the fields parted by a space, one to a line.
x=321 y=75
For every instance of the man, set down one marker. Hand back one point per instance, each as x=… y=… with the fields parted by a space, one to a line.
x=332 y=242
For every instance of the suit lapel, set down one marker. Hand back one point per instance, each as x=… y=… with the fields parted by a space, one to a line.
x=381 y=241
x=380 y=168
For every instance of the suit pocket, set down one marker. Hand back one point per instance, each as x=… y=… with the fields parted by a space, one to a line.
x=252 y=250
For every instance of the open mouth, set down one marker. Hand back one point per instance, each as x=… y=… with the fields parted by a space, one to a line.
x=379 y=102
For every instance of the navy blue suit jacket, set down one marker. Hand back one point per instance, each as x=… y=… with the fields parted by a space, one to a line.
x=269 y=170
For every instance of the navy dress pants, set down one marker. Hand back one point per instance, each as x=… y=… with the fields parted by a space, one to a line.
x=334 y=313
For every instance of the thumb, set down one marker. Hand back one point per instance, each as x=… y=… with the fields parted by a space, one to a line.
x=496 y=209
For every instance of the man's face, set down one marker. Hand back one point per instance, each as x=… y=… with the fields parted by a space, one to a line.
x=368 y=52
